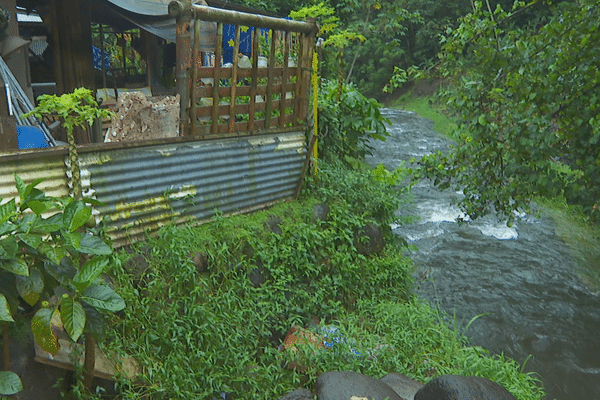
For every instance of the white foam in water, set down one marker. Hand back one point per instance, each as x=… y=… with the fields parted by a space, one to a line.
x=430 y=233
x=432 y=212
x=498 y=231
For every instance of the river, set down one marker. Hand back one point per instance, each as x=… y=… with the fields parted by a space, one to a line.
x=525 y=277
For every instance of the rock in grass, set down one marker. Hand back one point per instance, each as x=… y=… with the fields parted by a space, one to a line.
x=455 y=387
x=369 y=240
x=298 y=394
x=342 y=385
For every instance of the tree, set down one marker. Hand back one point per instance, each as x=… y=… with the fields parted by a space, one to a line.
x=527 y=105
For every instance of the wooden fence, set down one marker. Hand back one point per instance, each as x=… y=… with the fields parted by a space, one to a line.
x=264 y=90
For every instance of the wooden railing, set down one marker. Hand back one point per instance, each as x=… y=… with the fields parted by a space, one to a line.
x=266 y=89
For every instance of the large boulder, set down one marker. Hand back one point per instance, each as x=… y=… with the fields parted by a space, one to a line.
x=343 y=385
x=298 y=394
x=402 y=384
x=455 y=387
x=369 y=240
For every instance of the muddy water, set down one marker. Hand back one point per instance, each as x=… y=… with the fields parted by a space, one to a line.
x=524 y=276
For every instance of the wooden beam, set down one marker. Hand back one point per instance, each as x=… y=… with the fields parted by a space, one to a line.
x=72 y=41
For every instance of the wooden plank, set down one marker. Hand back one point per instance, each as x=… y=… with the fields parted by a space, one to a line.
x=254 y=82
x=105 y=368
x=233 y=82
x=217 y=76
x=284 y=76
x=271 y=78
x=195 y=51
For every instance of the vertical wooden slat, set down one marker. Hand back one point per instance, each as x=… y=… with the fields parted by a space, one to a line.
x=271 y=78
x=234 y=67
x=254 y=83
x=306 y=69
x=216 y=78
x=284 y=78
x=297 y=98
x=195 y=78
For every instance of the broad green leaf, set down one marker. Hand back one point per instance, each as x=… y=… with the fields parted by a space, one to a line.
x=94 y=202
x=10 y=383
x=42 y=325
x=5 y=314
x=7 y=227
x=32 y=240
x=91 y=270
x=8 y=247
x=30 y=287
x=76 y=215
x=62 y=271
x=21 y=187
x=50 y=224
x=103 y=298
x=28 y=222
x=91 y=244
x=94 y=322
x=7 y=210
x=73 y=239
x=39 y=207
x=34 y=196
x=16 y=266
x=53 y=253
x=73 y=316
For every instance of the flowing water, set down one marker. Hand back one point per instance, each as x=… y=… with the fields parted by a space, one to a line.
x=524 y=276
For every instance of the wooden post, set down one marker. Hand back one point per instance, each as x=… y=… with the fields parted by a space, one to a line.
x=182 y=11
x=8 y=123
x=72 y=41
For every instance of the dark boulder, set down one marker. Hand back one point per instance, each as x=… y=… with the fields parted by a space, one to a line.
x=273 y=224
x=369 y=240
x=257 y=275
x=320 y=212
x=342 y=385
x=455 y=387
x=298 y=394
x=402 y=384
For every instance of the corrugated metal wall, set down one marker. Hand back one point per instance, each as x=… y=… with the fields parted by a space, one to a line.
x=144 y=188
x=47 y=164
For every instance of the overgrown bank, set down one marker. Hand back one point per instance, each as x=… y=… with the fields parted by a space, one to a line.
x=208 y=306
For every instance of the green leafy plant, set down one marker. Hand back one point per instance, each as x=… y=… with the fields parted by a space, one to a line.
x=526 y=104
x=51 y=263
x=77 y=109
x=347 y=124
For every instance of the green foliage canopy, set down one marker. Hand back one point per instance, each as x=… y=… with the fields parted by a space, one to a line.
x=527 y=105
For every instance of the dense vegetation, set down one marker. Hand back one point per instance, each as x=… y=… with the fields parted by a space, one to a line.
x=208 y=307
x=527 y=107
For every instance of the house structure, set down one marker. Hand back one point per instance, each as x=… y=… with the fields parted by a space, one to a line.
x=244 y=139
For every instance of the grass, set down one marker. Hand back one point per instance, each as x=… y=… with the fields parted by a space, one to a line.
x=427 y=107
x=582 y=237
x=200 y=326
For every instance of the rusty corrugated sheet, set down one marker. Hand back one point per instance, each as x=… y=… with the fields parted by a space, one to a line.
x=147 y=187
x=48 y=165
